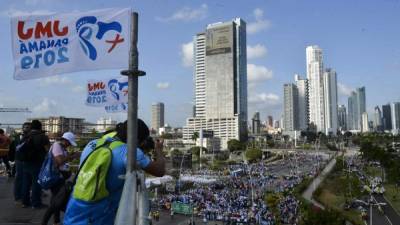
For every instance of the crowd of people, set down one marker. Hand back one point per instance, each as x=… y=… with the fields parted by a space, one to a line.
x=238 y=196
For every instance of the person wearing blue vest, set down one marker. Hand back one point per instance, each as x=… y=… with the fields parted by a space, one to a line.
x=103 y=212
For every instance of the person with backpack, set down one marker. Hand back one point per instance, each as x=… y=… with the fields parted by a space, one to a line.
x=59 y=155
x=98 y=189
x=18 y=165
x=33 y=154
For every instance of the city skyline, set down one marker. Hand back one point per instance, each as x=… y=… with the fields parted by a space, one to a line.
x=275 y=46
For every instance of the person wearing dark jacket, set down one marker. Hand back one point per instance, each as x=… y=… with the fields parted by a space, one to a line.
x=18 y=165
x=32 y=162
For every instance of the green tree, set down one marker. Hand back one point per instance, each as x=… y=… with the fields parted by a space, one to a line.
x=166 y=136
x=235 y=145
x=195 y=136
x=253 y=154
x=175 y=152
x=196 y=151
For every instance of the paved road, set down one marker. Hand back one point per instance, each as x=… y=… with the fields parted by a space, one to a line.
x=389 y=218
x=316 y=182
x=12 y=214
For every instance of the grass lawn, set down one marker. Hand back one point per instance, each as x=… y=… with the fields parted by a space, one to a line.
x=373 y=171
x=333 y=190
x=336 y=202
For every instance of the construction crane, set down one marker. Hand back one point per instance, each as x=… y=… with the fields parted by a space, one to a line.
x=13 y=110
x=21 y=110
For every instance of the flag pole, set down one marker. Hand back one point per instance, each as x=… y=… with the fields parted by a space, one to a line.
x=127 y=210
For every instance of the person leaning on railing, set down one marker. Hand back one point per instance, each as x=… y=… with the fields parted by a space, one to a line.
x=103 y=211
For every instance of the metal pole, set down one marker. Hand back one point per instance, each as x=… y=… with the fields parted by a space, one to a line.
x=127 y=210
x=133 y=97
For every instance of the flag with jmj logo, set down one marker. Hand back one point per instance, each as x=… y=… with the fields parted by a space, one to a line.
x=112 y=94
x=52 y=44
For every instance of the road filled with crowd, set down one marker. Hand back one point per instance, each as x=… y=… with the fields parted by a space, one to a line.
x=238 y=197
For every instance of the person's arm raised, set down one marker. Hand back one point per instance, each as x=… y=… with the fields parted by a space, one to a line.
x=157 y=167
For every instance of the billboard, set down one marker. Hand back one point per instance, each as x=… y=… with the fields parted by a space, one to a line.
x=219 y=40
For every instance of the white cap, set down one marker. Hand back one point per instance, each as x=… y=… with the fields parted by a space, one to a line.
x=69 y=136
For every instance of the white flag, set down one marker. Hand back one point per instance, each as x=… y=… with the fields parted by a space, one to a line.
x=112 y=94
x=54 y=44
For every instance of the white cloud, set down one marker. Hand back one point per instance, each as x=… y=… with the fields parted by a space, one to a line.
x=187 y=14
x=258 y=73
x=264 y=98
x=260 y=22
x=78 y=89
x=344 y=89
x=256 y=51
x=54 y=80
x=162 y=85
x=45 y=106
x=187 y=54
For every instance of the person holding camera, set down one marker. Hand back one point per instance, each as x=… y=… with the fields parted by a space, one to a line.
x=101 y=207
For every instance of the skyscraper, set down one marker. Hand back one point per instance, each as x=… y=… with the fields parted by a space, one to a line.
x=342 y=117
x=352 y=112
x=387 y=117
x=302 y=102
x=220 y=82
x=378 y=119
x=331 y=112
x=362 y=105
x=316 y=87
x=256 y=123
x=270 y=122
x=396 y=118
x=364 y=122
x=290 y=107
x=356 y=107
x=157 y=116
x=200 y=74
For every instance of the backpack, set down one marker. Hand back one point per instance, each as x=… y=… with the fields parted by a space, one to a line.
x=26 y=149
x=91 y=179
x=49 y=174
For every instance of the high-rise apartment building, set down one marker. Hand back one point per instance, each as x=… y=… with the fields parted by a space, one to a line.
x=302 y=102
x=220 y=82
x=378 y=126
x=103 y=124
x=362 y=100
x=330 y=95
x=342 y=118
x=290 y=107
x=57 y=125
x=364 y=122
x=356 y=107
x=256 y=123
x=387 y=117
x=316 y=87
x=200 y=74
x=157 y=116
x=270 y=122
x=396 y=118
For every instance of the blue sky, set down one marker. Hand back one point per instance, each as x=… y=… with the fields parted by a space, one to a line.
x=360 y=40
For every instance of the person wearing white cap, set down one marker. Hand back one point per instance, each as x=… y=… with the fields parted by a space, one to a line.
x=61 y=158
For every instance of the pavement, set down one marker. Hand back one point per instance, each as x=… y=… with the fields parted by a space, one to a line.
x=12 y=213
x=390 y=217
x=307 y=194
